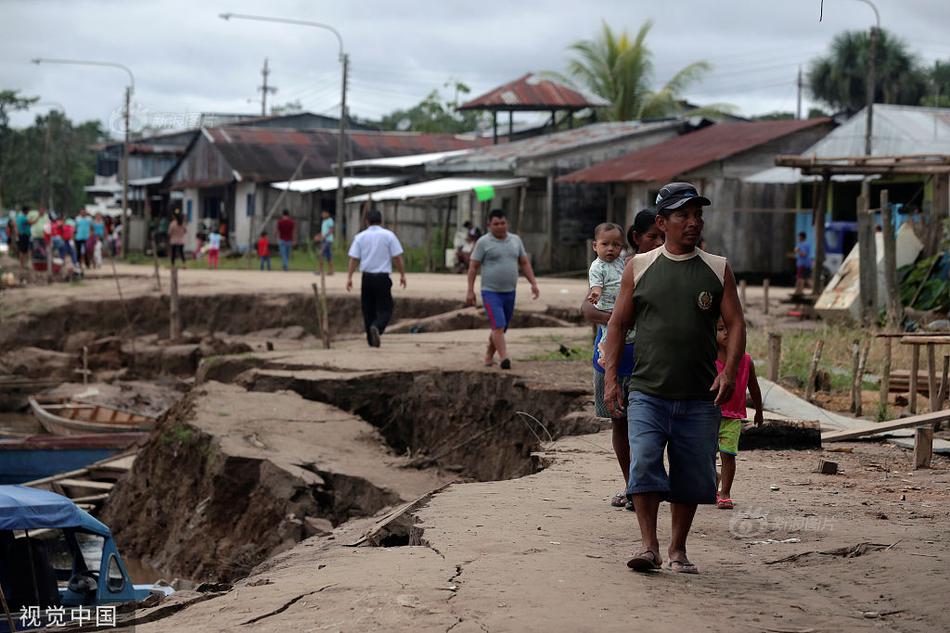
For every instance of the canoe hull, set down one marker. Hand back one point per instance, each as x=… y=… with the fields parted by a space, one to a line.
x=58 y=424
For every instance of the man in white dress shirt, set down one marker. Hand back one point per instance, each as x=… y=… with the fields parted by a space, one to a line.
x=374 y=251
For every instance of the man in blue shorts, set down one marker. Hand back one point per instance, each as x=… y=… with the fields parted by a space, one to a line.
x=673 y=297
x=499 y=255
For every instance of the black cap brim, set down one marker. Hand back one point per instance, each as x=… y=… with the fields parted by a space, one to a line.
x=677 y=203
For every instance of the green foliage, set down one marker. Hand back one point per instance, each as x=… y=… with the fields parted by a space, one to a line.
x=178 y=434
x=291 y=107
x=939 y=93
x=434 y=114
x=52 y=158
x=839 y=78
x=774 y=116
x=934 y=292
x=620 y=69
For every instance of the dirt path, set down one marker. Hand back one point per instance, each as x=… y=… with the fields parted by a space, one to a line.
x=546 y=553
x=138 y=280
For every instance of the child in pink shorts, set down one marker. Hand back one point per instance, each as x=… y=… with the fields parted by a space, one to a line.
x=733 y=415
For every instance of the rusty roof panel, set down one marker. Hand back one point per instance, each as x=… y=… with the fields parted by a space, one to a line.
x=272 y=154
x=665 y=161
x=507 y=156
x=532 y=92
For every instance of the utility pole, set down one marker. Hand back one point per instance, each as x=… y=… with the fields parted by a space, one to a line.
x=798 y=103
x=344 y=60
x=341 y=145
x=49 y=163
x=264 y=88
x=869 y=125
x=125 y=178
x=125 y=146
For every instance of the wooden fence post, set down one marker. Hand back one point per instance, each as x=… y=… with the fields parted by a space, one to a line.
x=742 y=285
x=886 y=373
x=174 y=329
x=859 y=378
x=765 y=296
x=893 y=299
x=923 y=445
x=317 y=302
x=813 y=372
x=158 y=277
x=775 y=355
x=855 y=362
x=324 y=310
x=914 y=369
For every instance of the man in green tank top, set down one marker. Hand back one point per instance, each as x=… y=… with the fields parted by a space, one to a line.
x=673 y=297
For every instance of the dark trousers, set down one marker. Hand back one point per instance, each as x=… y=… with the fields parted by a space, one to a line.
x=377 y=298
x=179 y=251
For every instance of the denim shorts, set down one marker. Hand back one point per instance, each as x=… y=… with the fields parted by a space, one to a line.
x=689 y=431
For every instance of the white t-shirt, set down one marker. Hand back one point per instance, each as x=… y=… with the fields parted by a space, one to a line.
x=214 y=241
x=375 y=248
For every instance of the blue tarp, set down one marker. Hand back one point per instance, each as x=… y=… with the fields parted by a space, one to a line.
x=23 y=508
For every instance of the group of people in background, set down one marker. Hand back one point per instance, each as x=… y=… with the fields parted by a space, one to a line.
x=69 y=244
x=211 y=241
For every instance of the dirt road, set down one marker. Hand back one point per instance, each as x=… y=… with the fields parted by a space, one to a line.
x=546 y=553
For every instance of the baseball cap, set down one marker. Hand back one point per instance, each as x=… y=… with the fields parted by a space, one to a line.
x=676 y=194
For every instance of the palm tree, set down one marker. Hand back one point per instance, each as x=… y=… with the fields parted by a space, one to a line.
x=839 y=78
x=620 y=70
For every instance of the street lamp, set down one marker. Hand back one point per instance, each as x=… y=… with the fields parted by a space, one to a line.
x=125 y=145
x=340 y=153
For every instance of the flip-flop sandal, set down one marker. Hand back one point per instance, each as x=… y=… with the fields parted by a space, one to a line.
x=724 y=503
x=645 y=561
x=619 y=500
x=683 y=567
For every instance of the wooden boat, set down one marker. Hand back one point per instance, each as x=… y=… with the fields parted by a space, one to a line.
x=42 y=456
x=64 y=417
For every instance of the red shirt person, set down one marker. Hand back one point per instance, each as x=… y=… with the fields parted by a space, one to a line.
x=285 y=237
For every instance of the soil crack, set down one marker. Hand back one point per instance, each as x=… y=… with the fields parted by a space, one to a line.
x=286 y=605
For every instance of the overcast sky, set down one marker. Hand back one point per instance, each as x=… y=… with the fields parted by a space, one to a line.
x=187 y=60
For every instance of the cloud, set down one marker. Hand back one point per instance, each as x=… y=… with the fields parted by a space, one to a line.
x=186 y=59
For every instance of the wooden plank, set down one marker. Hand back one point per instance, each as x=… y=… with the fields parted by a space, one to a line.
x=909 y=334
x=893 y=425
x=86 y=483
x=926 y=340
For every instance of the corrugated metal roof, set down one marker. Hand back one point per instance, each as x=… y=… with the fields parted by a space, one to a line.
x=438 y=188
x=272 y=154
x=413 y=160
x=532 y=92
x=792 y=175
x=506 y=156
x=329 y=183
x=664 y=161
x=897 y=131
